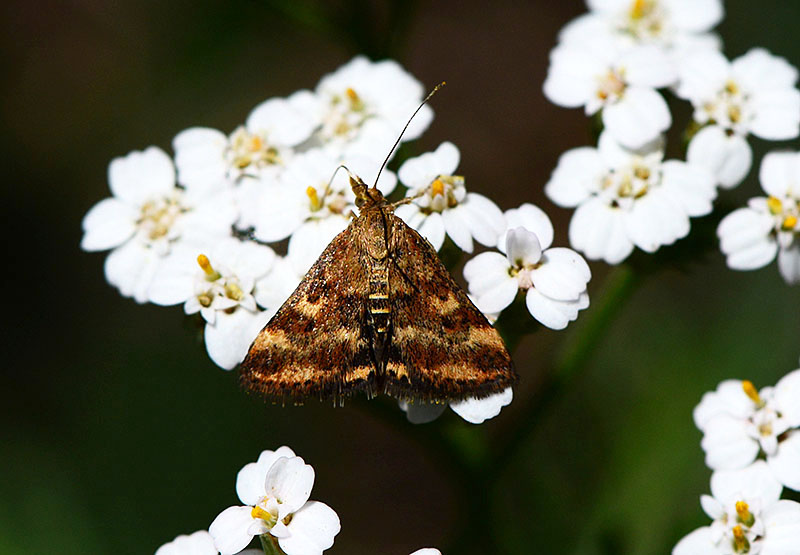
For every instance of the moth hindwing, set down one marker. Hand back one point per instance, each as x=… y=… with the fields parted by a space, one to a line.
x=378 y=313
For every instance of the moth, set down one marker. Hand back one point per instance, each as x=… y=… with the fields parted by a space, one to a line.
x=378 y=313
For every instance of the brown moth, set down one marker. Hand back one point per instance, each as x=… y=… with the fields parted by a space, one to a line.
x=378 y=312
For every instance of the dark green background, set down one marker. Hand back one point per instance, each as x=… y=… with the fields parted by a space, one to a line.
x=118 y=433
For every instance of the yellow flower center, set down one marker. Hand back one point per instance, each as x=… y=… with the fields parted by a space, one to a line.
x=740 y=543
x=745 y=516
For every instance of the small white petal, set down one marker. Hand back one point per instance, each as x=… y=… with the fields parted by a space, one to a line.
x=776 y=114
x=728 y=157
x=563 y=274
x=486 y=271
x=729 y=398
x=250 y=479
x=691 y=185
x=727 y=443
x=751 y=483
x=485 y=219
x=781 y=528
x=199 y=543
x=786 y=397
x=420 y=412
x=789 y=263
x=289 y=480
x=696 y=543
x=230 y=529
x=648 y=66
x=200 y=158
x=638 y=117
x=780 y=173
x=477 y=411
x=108 y=224
x=523 y=247
x=497 y=298
x=456 y=224
x=228 y=340
x=577 y=175
x=712 y=507
x=130 y=268
x=551 y=313
x=598 y=231
x=785 y=464
x=432 y=228
x=533 y=219
x=427 y=551
x=655 y=220
x=139 y=176
x=312 y=530
x=745 y=240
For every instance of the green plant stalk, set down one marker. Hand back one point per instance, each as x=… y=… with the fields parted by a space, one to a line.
x=269 y=544
x=591 y=328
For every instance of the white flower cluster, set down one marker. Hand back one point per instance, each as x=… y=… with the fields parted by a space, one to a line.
x=612 y=60
x=752 y=443
x=194 y=230
x=274 y=491
x=174 y=228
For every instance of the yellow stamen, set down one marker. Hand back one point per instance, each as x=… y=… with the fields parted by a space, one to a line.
x=256 y=143
x=638 y=9
x=751 y=391
x=745 y=516
x=233 y=291
x=266 y=516
x=437 y=187
x=351 y=94
x=734 y=114
x=740 y=543
x=205 y=264
x=789 y=223
x=774 y=204
x=316 y=204
x=731 y=87
x=205 y=299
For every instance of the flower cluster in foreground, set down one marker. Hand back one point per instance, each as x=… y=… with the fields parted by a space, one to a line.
x=752 y=443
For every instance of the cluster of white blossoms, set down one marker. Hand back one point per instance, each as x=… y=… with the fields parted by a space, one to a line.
x=752 y=443
x=274 y=492
x=612 y=61
x=199 y=230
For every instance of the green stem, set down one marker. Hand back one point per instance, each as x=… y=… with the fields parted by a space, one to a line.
x=269 y=544
x=591 y=329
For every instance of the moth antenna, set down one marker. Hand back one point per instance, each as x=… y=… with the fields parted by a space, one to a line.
x=358 y=186
x=397 y=142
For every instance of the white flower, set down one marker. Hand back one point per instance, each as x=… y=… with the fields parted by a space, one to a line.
x=754 y=94
x=553 y=279
x=628 y=197
x=676 y=26
x=427 y=551
x=738 y=422
x=750 y=237
x=275 y=491
x=206 y=157
x=219 y=282
x=603 y=74
x=362 y=91
x=748 y=516
x=278 y=284
x=199 y=543
x=147 y=216
x=474 y=411
x=304 y=204
x=444 y=204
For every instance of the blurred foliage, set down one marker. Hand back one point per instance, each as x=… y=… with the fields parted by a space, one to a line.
x=118 y=432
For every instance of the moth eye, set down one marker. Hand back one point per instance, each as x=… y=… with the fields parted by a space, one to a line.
x=360 y=201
